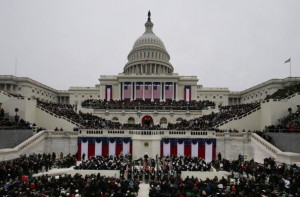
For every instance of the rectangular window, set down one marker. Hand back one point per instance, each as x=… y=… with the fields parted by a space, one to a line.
x=125 y=87
x=167 y=87
x=137 y=87
x=155 y=87
x=146 y=87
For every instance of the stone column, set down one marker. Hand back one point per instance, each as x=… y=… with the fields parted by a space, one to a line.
x=164 y=92
x=152 y=91
x=143 y=90
x=131 y=97
x=160 y=94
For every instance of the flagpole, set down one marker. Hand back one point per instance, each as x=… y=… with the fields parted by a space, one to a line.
x=290 y=66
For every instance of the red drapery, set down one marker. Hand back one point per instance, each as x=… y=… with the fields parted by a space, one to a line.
x=187 y=150
x=119 y=149
x=104 y=150
x=91 y=150
x=201 y=152
x=79 y=153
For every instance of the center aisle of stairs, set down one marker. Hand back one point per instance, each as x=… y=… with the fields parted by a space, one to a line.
x=144 y=190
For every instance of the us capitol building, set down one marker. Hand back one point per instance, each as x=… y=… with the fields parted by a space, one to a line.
x=148 y=75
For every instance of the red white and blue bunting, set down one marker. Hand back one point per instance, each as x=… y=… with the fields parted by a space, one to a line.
x=204 y=148
x=103 y=146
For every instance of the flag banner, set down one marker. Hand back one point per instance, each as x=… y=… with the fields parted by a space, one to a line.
x=208 y=152
x=195 y=150
x=162 y=88
x=98 y=149
x=91 y=147
x=180 y=149
x=174 y=91
x=166 y=148
x=156 y=91
x=103 y=146
x=84 y=149
x=108 y=92
x=187 y=93
x=126 y=148
x=139 y=90
x=127 y=90
x=204 y=148
x=287 y=61
x=169 y=91
x=112 y=148
x=148 y=90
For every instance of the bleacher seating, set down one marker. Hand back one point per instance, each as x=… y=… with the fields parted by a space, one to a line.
x=147 y=105
x=285 y=92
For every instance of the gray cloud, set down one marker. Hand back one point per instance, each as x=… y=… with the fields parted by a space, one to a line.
x=235 y=44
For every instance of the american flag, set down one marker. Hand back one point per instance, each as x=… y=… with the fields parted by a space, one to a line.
x=148 y=91
x=156 y=90
x=145 y=62
x=127 y=90
x=169 y=91
x=139 y=90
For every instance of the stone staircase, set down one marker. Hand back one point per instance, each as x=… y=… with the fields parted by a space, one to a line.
x=144 y=190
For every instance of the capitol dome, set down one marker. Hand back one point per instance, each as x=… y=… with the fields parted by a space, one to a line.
x=148 y=55
x=149 y=38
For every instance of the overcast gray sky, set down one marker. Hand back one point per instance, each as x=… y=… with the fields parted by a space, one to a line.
x=232 y=43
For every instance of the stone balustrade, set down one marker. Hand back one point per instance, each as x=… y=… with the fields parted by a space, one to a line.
x=183 y=133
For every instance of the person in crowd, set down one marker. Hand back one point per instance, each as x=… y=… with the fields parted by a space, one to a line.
x=219 y=156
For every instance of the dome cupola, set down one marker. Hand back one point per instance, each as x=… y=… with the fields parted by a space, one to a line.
x=148 y=55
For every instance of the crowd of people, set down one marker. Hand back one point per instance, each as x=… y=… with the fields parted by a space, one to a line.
x=18 y=123
x=89 y=121
x=67 y=185
x=16 y=179
x=209 y=121
x=147 y=104
x=288 y=124
x=148 y=169
x=247 y=178
x=104 y=163
x=285 y=92
x=32 y=164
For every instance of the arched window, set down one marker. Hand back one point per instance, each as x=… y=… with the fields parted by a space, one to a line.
x=131 y=120
x=115 y=119
x=178 y=120
x=163 y=122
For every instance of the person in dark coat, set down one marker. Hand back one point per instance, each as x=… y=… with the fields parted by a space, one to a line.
x=219 y=156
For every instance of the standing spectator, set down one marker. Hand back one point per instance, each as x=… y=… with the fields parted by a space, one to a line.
x=219 y=156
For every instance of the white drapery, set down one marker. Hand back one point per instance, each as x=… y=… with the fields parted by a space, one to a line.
x=166 y=149
x=112 y=148
x=180 y=149
x=208 y=152
x=84 y=149
x=187 y=94
x=108 y=92
x=126 y=148
x=98 y=149
x=195 y=149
